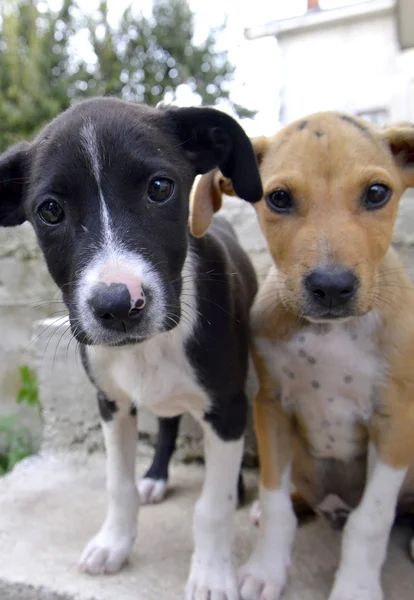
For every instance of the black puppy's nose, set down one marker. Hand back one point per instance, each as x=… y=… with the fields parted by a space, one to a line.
x=331 y=287
x=112 y=306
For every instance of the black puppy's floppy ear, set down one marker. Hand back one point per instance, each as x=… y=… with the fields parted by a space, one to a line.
x=207 y=193
x=13 y=172
x=210 y=139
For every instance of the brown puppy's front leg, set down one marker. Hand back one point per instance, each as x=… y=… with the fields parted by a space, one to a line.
x=365 y=540
x=263 y=577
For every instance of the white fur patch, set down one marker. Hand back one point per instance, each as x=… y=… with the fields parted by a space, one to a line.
x=365 y=539
x=264 y=576
x=256 y=513
x=108 y=551
x=90 y=145
x=328 y=373
x=211 y=573
x=151 y=491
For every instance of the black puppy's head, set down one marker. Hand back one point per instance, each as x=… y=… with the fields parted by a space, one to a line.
x=106 y=187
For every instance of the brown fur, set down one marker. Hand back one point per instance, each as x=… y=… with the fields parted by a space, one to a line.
x=326 y=161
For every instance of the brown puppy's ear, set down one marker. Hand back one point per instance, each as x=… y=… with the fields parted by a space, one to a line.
x=207 y=200
x=260 y=146
x=401 y=143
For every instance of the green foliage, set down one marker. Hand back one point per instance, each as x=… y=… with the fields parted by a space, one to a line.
x=15 y=440
x=15 y=443
x=34 y=57
x=28 y=392
x=142 y=59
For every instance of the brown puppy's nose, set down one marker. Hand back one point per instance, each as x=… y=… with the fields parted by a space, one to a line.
x=331 y=287
x=112 y=306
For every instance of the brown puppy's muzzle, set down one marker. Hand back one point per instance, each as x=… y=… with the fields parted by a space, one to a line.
x=330 y=292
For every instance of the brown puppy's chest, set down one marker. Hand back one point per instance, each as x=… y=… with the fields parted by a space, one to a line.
x=328 y=376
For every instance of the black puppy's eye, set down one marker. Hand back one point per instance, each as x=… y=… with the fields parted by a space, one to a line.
x=280 y=201
x=376 y=196
x=51 y=212
x=160 y=189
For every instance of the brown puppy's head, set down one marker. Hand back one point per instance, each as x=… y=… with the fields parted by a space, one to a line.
x=332 y=184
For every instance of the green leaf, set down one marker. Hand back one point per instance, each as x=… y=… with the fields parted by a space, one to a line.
x=21 y=396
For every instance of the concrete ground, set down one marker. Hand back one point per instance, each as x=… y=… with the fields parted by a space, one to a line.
x=50 y=507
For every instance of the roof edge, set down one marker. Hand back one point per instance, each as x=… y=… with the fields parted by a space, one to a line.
x=321 y=19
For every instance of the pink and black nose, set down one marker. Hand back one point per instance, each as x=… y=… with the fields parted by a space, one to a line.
x=115 y=307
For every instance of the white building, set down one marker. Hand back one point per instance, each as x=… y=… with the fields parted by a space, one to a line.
x=346 y=59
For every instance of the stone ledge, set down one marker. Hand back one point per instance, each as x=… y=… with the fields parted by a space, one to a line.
x=51 y=505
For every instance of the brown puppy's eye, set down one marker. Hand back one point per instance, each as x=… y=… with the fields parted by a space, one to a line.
x=280 y=201
x=50 y=212
x=160 y=189
x=376 y=196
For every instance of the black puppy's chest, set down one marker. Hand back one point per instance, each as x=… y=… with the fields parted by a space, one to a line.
x=156 y=374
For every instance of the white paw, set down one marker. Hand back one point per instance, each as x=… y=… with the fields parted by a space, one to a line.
x=256 y=513
x=151 y=491
x=361 y=588
x=107 y=552
x=258 y=581
x=212 y=579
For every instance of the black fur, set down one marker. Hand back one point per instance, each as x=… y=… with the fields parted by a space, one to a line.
x=167 y=436
x=226 y=286
x=107 y=407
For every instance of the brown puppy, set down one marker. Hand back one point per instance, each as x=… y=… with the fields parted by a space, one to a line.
x=333 y=329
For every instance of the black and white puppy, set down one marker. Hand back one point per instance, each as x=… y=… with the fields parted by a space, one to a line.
x=162 y=316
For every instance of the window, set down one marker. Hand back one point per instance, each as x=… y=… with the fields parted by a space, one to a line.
x=378 y=116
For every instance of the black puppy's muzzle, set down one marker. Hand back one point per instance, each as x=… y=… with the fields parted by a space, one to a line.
x=114 y=309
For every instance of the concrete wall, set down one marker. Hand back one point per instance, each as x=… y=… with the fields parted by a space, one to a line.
x=26 y=290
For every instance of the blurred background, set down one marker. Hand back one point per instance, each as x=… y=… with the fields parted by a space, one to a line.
x=265 y=63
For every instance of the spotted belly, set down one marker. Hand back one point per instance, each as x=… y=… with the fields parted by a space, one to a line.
x=327 y=376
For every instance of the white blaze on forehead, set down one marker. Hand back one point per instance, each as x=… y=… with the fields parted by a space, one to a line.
x=90 y=145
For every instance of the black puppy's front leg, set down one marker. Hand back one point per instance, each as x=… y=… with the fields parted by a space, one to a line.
x=111 y=546
x=153 y=485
